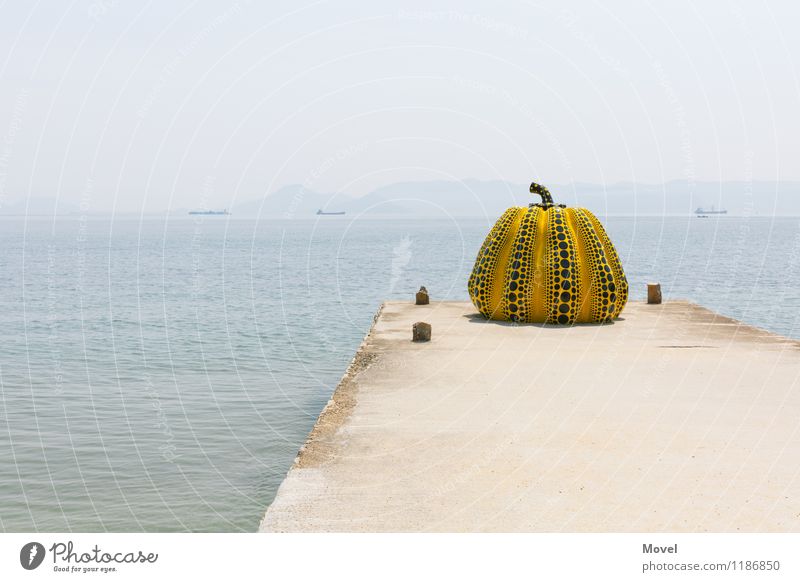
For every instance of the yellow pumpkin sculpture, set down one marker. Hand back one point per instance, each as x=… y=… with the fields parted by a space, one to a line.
x=548 y=264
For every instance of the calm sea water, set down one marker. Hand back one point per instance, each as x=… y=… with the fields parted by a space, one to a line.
x=160 y=375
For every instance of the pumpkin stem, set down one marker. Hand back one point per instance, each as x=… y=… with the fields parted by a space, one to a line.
x=547 y=198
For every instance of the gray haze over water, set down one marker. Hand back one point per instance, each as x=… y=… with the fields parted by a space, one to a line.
x=138 y=107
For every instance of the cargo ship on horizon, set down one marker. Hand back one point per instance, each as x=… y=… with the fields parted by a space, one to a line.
x=223 y=212
x=704 y=211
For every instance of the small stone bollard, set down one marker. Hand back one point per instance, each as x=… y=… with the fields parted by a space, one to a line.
x=422 y=296
x=421 y=332
x=654 y=293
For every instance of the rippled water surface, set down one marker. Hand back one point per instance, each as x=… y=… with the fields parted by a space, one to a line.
x=160 y=375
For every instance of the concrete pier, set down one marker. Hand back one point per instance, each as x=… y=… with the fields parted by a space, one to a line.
x=673 y=418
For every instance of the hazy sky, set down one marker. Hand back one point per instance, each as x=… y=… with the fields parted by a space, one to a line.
x=149 y=105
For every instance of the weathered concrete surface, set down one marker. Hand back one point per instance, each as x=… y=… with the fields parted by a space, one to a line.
x=671 y=419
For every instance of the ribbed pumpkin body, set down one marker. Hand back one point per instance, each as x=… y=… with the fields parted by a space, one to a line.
x=548 y=265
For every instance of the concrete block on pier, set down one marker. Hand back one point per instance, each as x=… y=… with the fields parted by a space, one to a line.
x=422 y=296
x=421 y=332
x=654 y=293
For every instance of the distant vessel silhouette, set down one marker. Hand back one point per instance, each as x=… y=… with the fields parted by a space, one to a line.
x=211 y=212
x=702 y=211
x=321 y=213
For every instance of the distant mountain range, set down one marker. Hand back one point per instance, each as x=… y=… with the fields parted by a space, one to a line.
x=476 y=198
x=468 y=198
